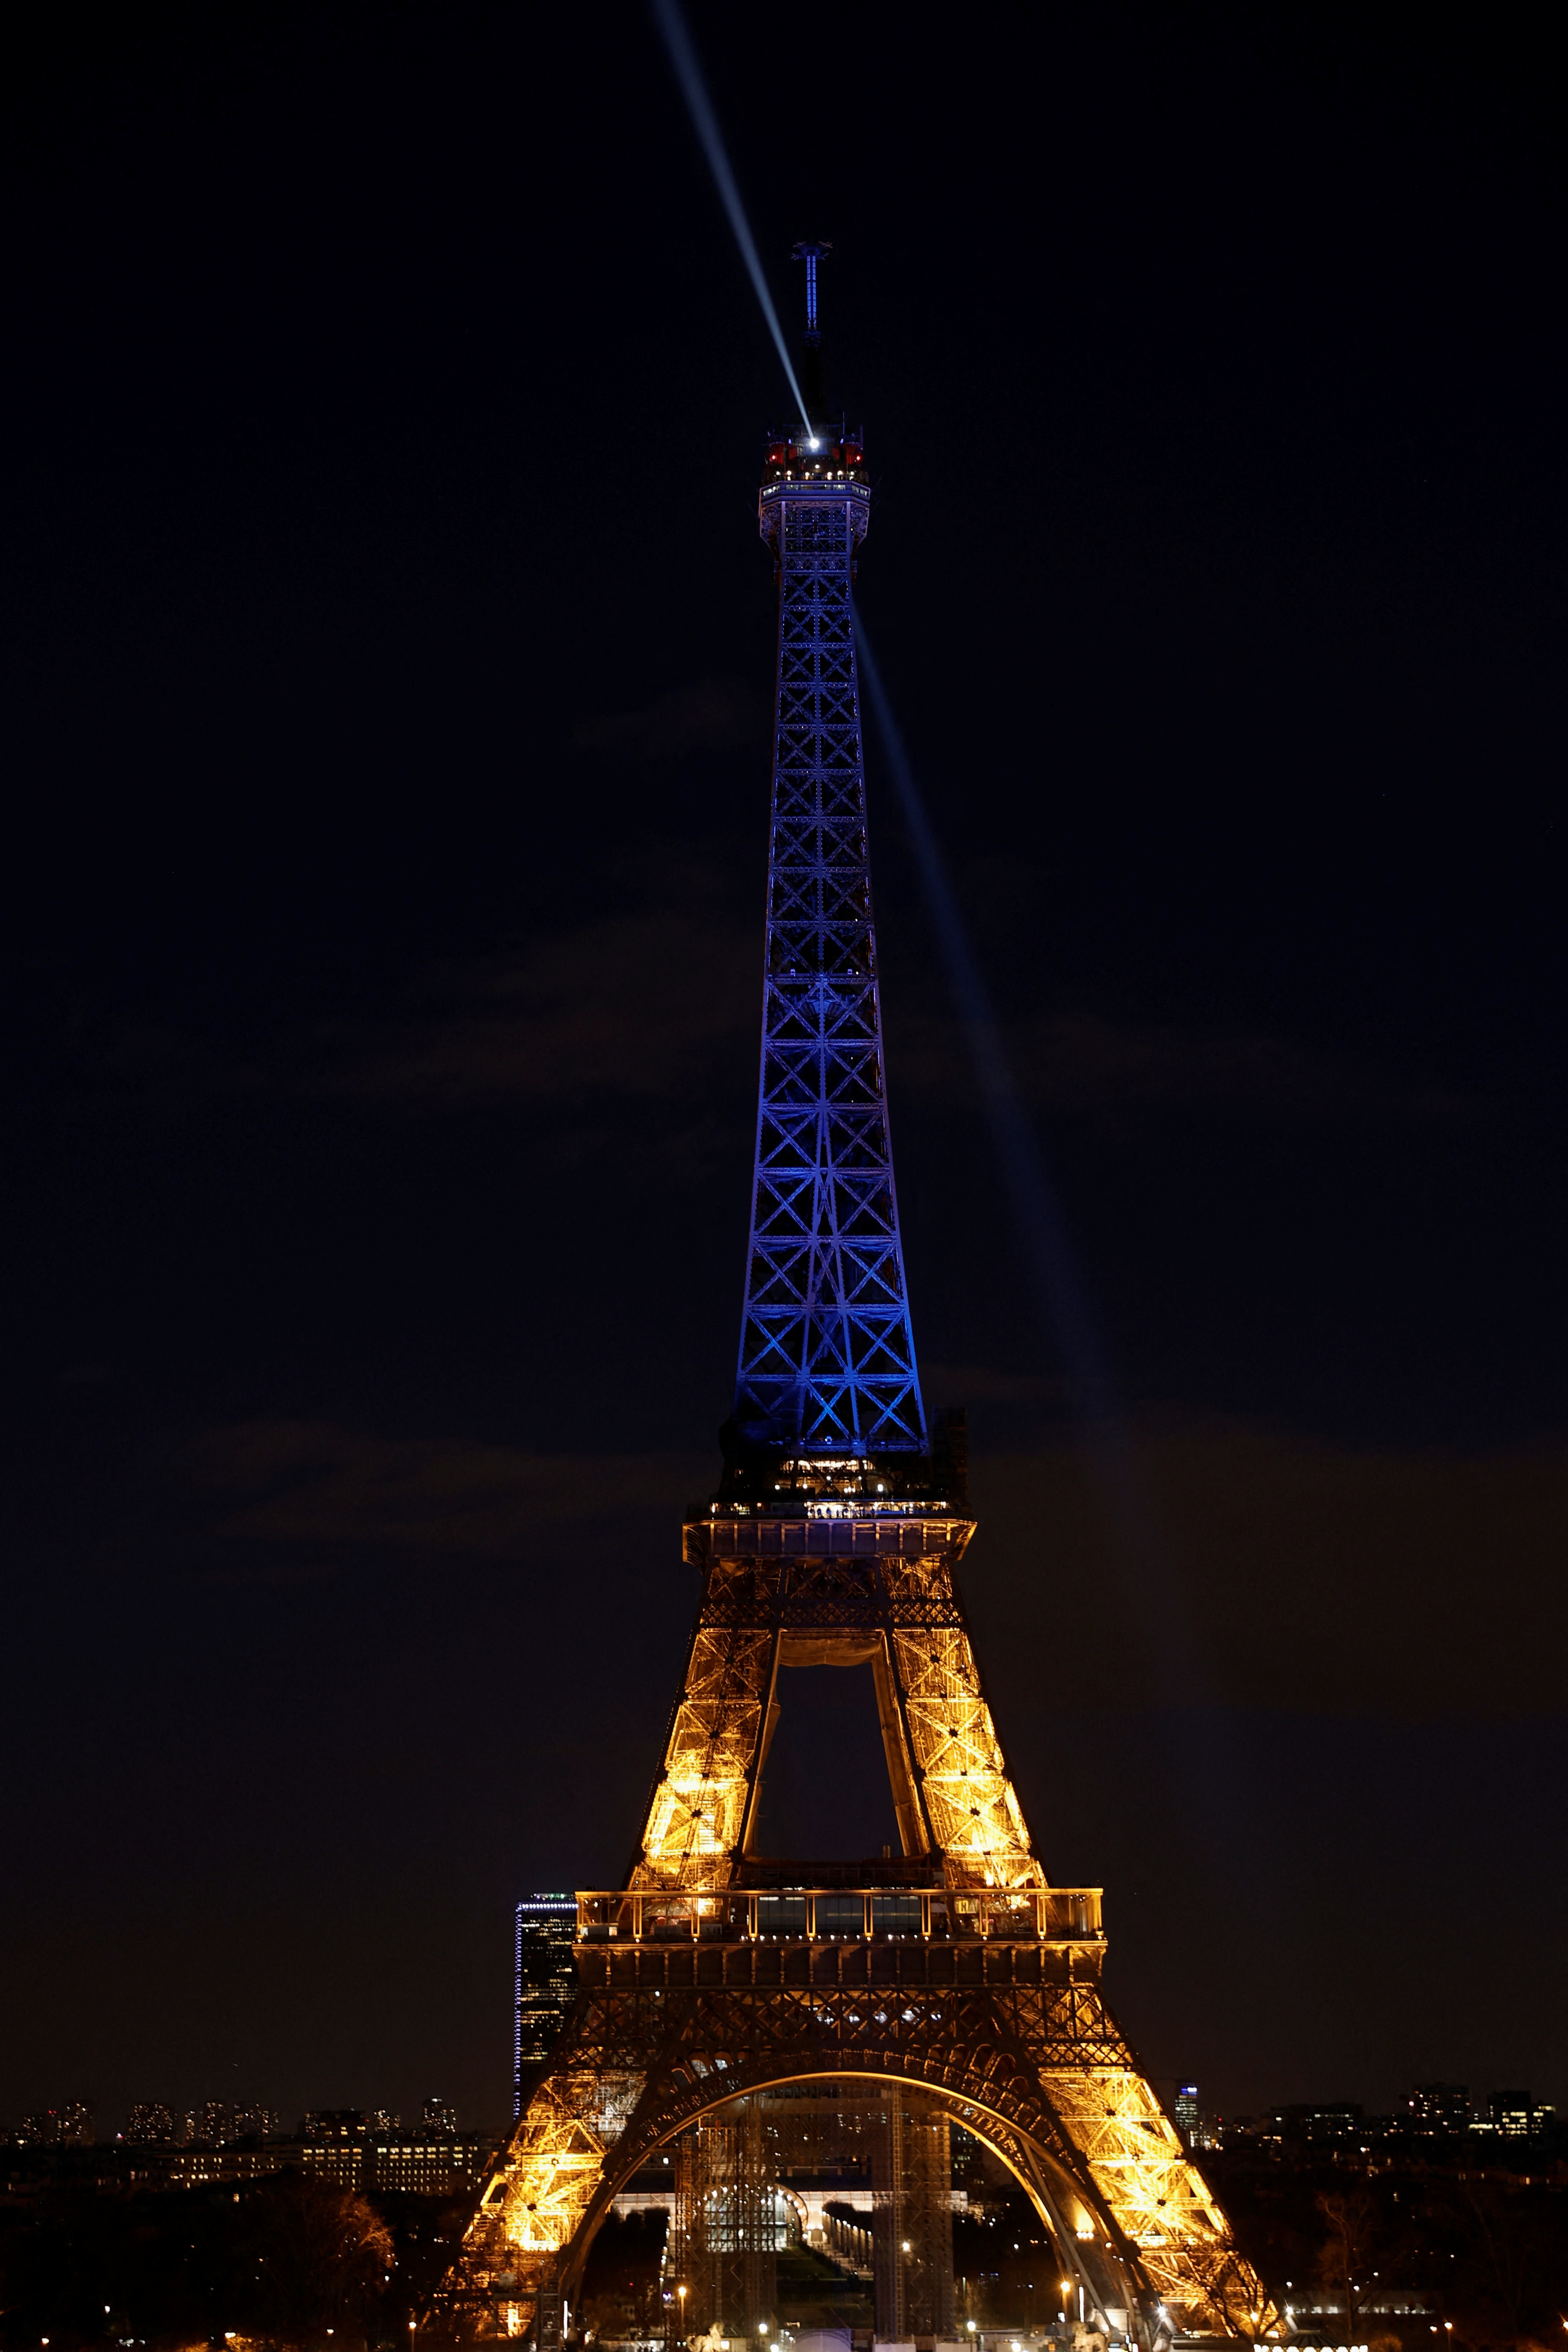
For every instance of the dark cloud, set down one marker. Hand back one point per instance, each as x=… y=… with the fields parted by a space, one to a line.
x=639 y=1004
x=1083 y=1062
x=981 y=1385
x=717 y=714
x=651 y=1003
x=1314 y=1576
x=633 y=1006
x=285 y=1499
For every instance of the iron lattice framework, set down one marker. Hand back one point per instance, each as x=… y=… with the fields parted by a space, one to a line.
x=956 y=1972
x=828 y=1351
x=724 y=2236
x=913 y=2176
x=878 y=1591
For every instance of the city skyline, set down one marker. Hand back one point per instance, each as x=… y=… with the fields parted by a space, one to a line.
x=1509 y=2111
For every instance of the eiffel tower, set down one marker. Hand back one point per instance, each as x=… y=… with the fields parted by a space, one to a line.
x=953 y=1978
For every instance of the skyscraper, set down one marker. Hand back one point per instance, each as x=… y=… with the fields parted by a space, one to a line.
x=67 y=2125
x=1514 y=2115
x=546 y=1983
x=1438 y=2109
x=148 y=2123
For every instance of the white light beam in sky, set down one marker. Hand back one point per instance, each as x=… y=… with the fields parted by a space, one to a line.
x=689 y=73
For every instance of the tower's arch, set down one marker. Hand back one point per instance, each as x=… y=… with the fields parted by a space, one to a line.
x=1088 y=2241
x=1012 y=2039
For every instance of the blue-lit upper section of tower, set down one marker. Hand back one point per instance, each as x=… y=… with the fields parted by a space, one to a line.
x=828 y=1360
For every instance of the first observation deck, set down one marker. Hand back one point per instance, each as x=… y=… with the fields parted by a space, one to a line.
x=838 y=1935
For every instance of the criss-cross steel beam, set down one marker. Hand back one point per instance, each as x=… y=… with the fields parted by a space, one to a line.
x=827 y=1354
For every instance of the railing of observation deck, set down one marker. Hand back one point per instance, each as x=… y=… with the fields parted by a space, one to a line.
x=842 y=1914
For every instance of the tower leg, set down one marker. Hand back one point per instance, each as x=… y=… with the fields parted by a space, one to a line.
x=723 y=2243
x=550 y=2315
x=755 y=2220
x=912 y=2157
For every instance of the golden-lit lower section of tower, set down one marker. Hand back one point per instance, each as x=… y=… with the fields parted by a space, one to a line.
x=556 y=2162
x=698 y=1814
x=956 y=1973
x=1010 y=2036
x=975 y=1822
x=1157 y=2196
x=795 y=1592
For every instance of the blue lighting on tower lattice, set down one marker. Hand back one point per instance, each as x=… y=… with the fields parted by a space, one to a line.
x=828 y=1355
x=811 y=254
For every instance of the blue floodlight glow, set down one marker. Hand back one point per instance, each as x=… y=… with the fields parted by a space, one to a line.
x=1027 y=1180
x=1043 y=1230
x=689 y=73
x=810 y=291
x=826 y=1361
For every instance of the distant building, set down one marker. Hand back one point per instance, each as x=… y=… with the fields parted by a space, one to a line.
x=425 y=2164
x=340 y=2124
x=1187 y=2112
x=67 y=2125
x=218 y=2123
x=1339 y=2123
x=438 y=2116
x=1515 y=2116
x=150 y=2124
x=341 y=2161
x=1435 y=2110
x=546 y=1982
x=382 y=2119
x=335 y=2127
x=193 y=2168
x=422 y=2164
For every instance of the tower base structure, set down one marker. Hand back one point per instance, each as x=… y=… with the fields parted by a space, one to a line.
x=953 y=1977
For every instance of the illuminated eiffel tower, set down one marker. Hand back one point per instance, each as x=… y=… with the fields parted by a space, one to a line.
x=953 y=1978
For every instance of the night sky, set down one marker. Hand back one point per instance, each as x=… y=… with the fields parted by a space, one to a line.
x=388 y=654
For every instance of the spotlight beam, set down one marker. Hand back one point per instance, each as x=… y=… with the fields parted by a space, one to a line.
x=1042 y=1227
x=689 y=73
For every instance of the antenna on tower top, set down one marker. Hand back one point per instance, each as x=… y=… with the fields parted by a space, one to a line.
x=811 y=255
